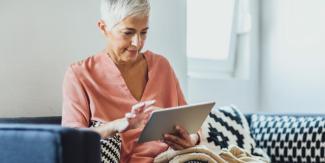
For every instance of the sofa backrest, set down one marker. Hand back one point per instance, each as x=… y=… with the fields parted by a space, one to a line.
x=33 y=120
x=291 y=137
x=297 y=115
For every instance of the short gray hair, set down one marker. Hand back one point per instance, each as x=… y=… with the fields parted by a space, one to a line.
x=114 y=11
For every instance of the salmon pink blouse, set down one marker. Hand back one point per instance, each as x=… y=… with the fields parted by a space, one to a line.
x=94 y=90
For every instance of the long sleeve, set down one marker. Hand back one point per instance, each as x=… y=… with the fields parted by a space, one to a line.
x=180 y=95
x=75 y=110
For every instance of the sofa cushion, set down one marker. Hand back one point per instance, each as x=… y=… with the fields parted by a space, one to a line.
x=290 y=138
x=228 y=126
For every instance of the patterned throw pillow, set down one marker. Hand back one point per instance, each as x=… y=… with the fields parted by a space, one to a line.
x=110 y=147
x=290 y=138
x=227 y=126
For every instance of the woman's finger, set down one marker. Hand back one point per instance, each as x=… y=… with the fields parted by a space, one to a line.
x=182 y=132
x=140 y=110
x=149 y=103
x=139 y=107
x=176 y=140
x=173 y=145
x=129 y=115
x=151 y=109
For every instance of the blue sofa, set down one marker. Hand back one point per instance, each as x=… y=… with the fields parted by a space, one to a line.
x=42 y=140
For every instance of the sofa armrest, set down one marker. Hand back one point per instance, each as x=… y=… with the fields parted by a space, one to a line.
x=47 y=144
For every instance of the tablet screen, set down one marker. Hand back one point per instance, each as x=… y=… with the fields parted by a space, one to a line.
x=191 y=117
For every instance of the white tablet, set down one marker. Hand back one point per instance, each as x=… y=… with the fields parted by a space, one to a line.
x=163 y=121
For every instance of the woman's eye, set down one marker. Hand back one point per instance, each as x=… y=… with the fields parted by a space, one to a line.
x=143 y=33
x=128 y=33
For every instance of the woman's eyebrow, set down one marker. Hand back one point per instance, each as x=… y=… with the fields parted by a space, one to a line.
x=132 y=29
x=146 y=28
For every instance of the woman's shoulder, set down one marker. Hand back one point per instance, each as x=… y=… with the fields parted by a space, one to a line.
x=87 y=64
x=157 y=59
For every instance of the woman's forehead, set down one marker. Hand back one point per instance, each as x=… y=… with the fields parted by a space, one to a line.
x=134 y=23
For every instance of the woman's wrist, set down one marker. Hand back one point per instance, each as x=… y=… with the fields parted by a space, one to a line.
x=119 y=125
x=104 y=130
x=110 y=128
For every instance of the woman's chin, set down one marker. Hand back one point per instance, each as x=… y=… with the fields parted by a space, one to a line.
x=129 y=58
x=132 y=56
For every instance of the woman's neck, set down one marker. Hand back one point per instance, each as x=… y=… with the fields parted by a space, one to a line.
x=125 y=65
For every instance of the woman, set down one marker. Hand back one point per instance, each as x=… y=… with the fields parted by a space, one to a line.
x=119 y=86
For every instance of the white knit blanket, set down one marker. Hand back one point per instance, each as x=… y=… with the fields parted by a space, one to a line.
x=233 y=154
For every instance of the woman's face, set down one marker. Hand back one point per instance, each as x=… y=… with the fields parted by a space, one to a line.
x=127 y=38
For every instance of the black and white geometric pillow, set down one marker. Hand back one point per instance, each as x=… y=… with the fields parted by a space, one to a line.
x=289 y=138
x=227 y=126
x=110 y=147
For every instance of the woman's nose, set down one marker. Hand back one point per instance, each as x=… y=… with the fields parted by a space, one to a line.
x=136 y=41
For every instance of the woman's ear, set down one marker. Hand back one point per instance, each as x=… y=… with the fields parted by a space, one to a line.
x=102 y=27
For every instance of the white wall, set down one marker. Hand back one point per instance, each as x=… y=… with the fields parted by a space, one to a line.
x=39 y=39
x=168 y=34
x=293 y=55
x=242 y=91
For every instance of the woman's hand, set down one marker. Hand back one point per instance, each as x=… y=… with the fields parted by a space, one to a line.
x=137 y=118
x=181 y=139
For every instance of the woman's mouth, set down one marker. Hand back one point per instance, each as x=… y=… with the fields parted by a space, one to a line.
x=133 y=52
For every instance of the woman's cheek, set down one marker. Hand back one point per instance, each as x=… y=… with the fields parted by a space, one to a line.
x=121 y=45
